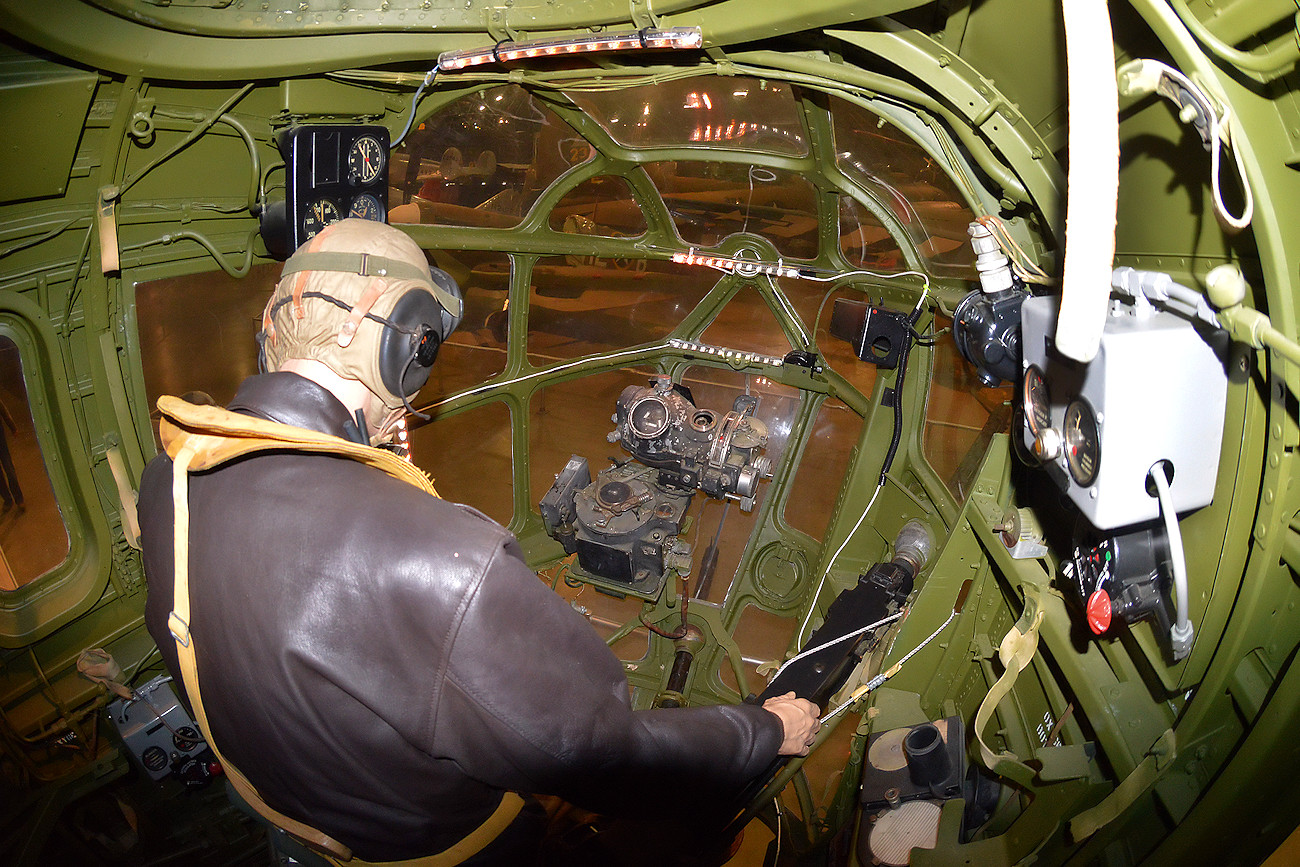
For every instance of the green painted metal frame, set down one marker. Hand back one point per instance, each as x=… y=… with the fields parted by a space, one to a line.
x=1231 y=730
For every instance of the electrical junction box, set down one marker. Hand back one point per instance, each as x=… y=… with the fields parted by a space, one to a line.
x=156 y=728
x=1155 y=391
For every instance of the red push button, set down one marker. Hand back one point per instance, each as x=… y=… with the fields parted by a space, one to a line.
x=1099 y=612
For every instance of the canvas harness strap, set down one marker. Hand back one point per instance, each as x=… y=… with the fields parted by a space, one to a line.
x=1016 y=651
x=201 y=437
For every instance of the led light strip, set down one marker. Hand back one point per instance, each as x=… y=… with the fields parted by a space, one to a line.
x=726 y=354
x=743 y=267
x=636 y=40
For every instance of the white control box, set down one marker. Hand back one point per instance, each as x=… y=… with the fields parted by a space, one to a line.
x=1155 y=391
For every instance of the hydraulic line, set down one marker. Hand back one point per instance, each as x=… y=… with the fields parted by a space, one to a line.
x=187 y=141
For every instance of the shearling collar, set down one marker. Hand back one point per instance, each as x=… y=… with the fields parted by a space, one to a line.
x=291 y=399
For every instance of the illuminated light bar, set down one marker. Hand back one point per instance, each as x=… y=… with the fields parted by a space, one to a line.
x=635 y=40
x=743 y=267
x=729 y=355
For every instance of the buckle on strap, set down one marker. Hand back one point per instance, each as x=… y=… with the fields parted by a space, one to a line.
x=179 y=629
x=365 y=270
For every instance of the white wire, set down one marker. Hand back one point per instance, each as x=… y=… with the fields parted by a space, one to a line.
x=803 y=627
x=1218 y=140
x=878 y=274
x=1183 y=626
x=879 y=679
x=489 y=386
x=822 y=583
x=855 y=633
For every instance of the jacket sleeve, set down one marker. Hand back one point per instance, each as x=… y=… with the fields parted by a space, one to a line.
x=534 y=701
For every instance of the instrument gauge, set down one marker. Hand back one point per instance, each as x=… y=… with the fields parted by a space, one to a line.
x=648 y=417
x=1036 y=400
x=1082 y=442
x=366 y=207
x=365 y=160
x=320 y=214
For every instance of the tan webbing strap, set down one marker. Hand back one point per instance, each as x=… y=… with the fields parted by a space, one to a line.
x=1159 y=758
x=468 y=846
x=1016 y=651
x=178 y=622
x=200 y=437
x=348 y=329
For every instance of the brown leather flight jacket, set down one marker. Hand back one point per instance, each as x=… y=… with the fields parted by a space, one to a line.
x=382 y=664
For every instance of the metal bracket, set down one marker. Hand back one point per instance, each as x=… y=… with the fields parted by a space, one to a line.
x=495 y=20
x=642 y=14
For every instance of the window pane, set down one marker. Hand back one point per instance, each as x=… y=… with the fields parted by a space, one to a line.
x=703 y=111
x=600 y=206
x=481 y=161
x=823 y=468
x=584 y=304
x=469 y=457
x=747 y=323
x=761 y=637
x=198 y=333
x=476 y=350
x=572 y=418
x=961 y=417
x=865 y=242
x=814 y=302
x=33 y=537
x=717 y=389
x=709 y=201
x=901 y=174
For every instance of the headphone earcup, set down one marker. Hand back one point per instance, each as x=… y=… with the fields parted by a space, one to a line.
x=407 y=352
x=448 y=284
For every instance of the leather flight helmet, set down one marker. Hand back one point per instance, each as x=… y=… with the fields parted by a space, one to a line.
x=361 y=298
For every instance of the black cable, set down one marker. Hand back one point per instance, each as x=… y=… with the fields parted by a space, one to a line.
x=342 y=305
x=415 y=100
x=898 y=396
x=709 y=562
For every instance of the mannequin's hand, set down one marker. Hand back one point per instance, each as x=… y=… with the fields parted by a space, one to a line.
x=799 y=722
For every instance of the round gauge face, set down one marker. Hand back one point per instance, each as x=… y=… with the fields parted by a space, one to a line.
x=648 y=417
x=185 y=738
x=365 y=160
x=320 y=214
x=1082 y=442
x=1036 y=400
x=366 y=207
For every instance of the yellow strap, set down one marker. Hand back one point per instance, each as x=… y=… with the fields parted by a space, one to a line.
x=1016 y=652
x=471 y=845
x=200 y=437
x=178 y=622
x=1158 y=759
